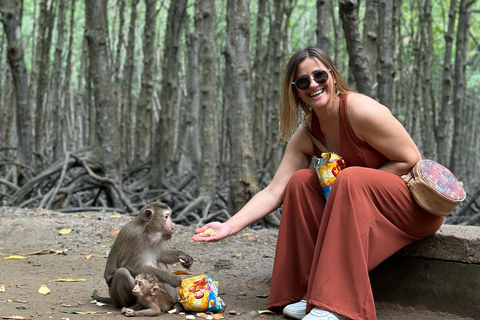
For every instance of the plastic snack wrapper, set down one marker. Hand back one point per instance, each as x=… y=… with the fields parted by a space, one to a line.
x=328 y=167
x=200 y=293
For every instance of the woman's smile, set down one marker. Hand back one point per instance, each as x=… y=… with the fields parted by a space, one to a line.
x=317 y=93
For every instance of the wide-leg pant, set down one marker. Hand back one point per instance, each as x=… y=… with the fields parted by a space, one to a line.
x=325 y=249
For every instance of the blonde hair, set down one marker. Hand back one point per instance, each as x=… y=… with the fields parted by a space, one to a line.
x=291 y=106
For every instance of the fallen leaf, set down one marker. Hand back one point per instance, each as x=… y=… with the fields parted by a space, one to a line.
x=81 y=215
x=78 y=312
x=67 y=280
x=13 y=317
x=236 y=255
x=14 y=258
x=114 y=233
x=46 y=251
x=115 y=216
x=180 y=272
x=2 y=287
x=64 y=251
x=65 y=231
x=20 y=301
x=43 y=290
x=88 y=257
x=265 y=311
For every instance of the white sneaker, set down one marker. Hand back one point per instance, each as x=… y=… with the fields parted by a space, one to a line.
x=322 y=314
x=296 y=310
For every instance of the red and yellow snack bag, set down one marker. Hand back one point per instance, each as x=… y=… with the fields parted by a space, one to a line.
x=328 y=167
x=200 y=293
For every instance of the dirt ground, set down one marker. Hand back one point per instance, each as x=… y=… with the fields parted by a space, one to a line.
x=241 y=264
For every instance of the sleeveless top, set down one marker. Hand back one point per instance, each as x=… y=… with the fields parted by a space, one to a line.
x=354 y=151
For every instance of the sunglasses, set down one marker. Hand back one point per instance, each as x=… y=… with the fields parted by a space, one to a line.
x=303 y=82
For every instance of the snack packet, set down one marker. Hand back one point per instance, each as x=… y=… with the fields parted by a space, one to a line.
x=200 y=293
x=328 y=167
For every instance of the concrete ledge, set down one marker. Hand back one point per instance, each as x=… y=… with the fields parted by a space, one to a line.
x=450 y=243
x=439 y=273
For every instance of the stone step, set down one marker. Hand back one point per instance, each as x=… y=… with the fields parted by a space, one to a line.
x=439 y=273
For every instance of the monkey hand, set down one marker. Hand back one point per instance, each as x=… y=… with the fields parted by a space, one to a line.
x=128 y=312
x=174 y=280
x=185 y=260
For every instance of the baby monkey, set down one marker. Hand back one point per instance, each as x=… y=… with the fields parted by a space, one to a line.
x=152 y=300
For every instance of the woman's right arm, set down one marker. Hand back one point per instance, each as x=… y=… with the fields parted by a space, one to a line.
x=297 y=156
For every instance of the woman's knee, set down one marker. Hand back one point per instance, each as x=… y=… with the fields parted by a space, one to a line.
x=352 y=174
x=302 y=178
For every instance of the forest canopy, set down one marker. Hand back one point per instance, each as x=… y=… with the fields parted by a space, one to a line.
x=113 y=104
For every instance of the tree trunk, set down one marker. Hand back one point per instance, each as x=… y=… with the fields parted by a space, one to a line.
x=169 y=97
x=7 y=114
x=117 y=63
x=370 y=35
x=106 y=142
x=59 y=113
x=242 y=170
x=3 y=85
x=259 y=88
x=428 y=114
x=45 y=30
x=273 y=150
x=288 y=6
x=457 y=157
x=11 y=23
x=358 y=61
x=127 y=101
x=398 y=105
x=208 y=132
x=336 y=36
x=444 y=122
x=144 y=109
x=323 y=24
x=192 y=114
x=471 y=138
x=72 y=127
x=386 y=71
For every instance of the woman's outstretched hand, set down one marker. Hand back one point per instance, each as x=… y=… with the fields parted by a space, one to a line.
x=211 y=232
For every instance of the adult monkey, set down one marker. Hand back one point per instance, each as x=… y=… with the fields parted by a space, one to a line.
x=138 y=249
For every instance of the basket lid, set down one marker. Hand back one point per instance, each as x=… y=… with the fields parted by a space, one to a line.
x=441 y=180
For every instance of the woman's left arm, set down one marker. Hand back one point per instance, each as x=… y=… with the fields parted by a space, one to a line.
x=375 y=124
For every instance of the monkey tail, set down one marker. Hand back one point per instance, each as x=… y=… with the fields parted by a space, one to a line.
x=106 y=300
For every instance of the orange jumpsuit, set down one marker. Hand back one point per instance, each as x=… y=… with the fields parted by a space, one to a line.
x=325 y=249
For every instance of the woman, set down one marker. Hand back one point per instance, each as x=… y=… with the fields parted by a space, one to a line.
x=325 y=249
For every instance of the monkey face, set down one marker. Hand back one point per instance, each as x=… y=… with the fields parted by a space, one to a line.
x=168 y=224
x=143 y=285
x=138 y=289
x=158 y=218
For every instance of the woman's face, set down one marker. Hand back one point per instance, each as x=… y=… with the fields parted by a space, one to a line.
x=316 y=94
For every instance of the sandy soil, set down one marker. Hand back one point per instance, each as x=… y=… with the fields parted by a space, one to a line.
x=241 y=264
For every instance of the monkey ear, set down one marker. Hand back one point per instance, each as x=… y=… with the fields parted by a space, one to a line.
x=155 y=290
x=148 y=214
